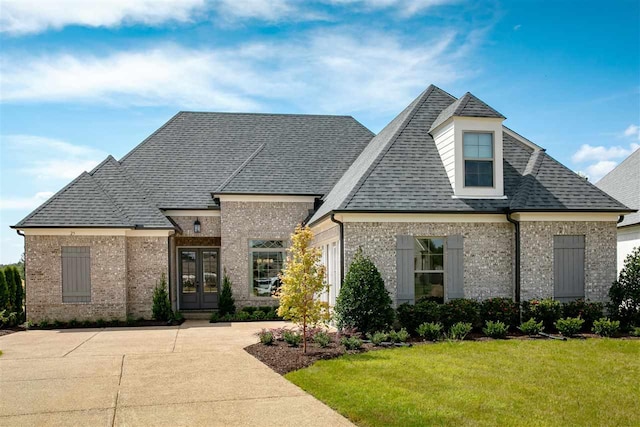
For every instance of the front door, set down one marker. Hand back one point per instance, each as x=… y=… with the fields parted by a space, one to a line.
x=198 y=278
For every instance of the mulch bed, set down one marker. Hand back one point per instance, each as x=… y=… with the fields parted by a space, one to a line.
x=8 y=331
x=109 y=324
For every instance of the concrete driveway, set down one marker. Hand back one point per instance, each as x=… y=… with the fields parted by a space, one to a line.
x=195 y=374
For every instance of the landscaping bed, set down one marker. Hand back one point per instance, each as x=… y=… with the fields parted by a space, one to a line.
x=115 y=323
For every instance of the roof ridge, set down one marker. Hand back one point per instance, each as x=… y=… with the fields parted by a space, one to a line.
x=239 y=169
x=463 y=101
x=528 y=176
x=239 y=113
x=146 y=194
x=422 y=98
x=113 y=201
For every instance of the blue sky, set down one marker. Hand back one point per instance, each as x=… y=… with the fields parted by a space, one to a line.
x=80 y=80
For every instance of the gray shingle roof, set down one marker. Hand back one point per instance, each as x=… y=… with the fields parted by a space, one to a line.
x=401 y=171
x=467 y=106
x=623 y=183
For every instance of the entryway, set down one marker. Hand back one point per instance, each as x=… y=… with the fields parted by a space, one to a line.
x=198 y=278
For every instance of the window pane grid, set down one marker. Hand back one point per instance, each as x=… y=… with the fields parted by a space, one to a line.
x=429 y=267
x=267 y=260
x=478 y=159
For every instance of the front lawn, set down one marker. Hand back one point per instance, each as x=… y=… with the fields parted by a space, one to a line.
x=593 y=382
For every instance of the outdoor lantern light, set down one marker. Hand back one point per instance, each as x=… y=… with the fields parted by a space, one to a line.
x=196 y=226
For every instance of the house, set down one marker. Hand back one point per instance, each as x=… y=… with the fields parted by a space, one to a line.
x=446 y=200
x=623 y=183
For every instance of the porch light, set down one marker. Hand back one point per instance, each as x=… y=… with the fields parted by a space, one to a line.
x=196 y=226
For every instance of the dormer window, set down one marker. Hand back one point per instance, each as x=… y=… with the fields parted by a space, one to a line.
x=478 y=159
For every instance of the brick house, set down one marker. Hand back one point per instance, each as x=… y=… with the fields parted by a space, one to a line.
x=447 y=201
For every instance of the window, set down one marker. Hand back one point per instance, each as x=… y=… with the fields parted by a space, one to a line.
x=429 y=267
x=478 y=159
x=266 y=259
x=76 y=274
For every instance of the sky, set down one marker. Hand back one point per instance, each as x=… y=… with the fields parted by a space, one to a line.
x=80 y=80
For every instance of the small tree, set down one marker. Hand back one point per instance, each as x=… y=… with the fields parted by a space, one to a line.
x=624 y=294
x=227 y=304
x=302 y=282
x=11 y=286
x=4 y=292
x=161 y=305
x=363 y=302
x=18 y=296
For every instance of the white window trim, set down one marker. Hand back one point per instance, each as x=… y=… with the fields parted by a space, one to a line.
x=250 y=259
x=444 y=264
x=491 y=159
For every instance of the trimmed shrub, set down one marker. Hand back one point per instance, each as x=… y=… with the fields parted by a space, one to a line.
x=424 y=311
x=460 y=311
x=586 y=310
x=547 y=311
x=322 y=338
x=161 y=305
x=569 y=326
x=495 y=329
x=351 y=343
x=292 y=338
x=226 y=303
x=624 y=294
x=241 y=316
x=531 y=327
x=266 y=337
x=378 y=338
x=399 y=336
x=459 y=331
x=606 y=327
x=215 y=317
x=4 y=292
x=500 y=310
x=635 y=331
x=430 y=331
x=363 y=302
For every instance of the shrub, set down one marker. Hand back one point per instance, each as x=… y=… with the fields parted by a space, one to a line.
x=322 y=338
x=378 y=338
x=500 y=310
x=624 y=294
x=460 y=311
x=101 y=323
x=4 y=292
x=531 y=327
x=635 y=331
x=586 y=310
x=130 y=320
x=606 y=327
x=44 y=323
x=459 y=331
x=424 y=311
x=259 y=315
x=351 y=343
x=18 y=297
x=363 y=302
x=292 y=338
x=495 y=329
x=177 y=316
x=8 y=319
x=248 y=309
x=11 y=288
x=226 y=303
x=74 y=323
x=548 y=311
x=214 y=317
x=161 y=305
x=430 y=331
x=266 y=337
x=399 y=336
x=241 y=316
x=57 y=324
x=87 y=323
x=569 y=326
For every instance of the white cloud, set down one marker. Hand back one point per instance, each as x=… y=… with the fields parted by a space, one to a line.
x=405 y=8
x=632 y=131
x=27 y=203
x=34 y=16
x=344 y=71
x=48 y=159
x=600 y=169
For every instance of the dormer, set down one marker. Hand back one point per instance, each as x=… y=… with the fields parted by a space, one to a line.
x=468 y=135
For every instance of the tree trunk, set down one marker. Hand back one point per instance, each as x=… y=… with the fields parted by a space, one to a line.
x=304 y=336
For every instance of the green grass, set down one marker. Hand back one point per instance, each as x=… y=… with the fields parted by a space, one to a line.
x=592 y=382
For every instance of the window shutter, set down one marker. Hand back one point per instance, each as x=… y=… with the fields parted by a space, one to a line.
x=568 y=267
x=454 y=265
x=76 y=274
x=405 y=248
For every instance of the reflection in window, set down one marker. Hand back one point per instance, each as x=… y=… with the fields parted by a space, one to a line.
x=210 y=270
x=478 y=159
x=429 y=268
x=267 y=260
x=188 y=271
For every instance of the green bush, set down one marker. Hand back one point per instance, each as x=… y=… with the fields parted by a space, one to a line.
x=226 y=303
x=8 y=319
x=460 y=311
x=410 y=316
x=500 y=310
x=459 y=331
x=214 y=317
x=548 y=311
x=495 y=329
x=259 y=315
x=292 y=338
x=586 y=310
x=378 y=338
x=363 y=302
x=101 y=323
x=161 y=305
x=430 y=331
x=130 y=320
x=624 y=294
x=606 y=327
x=322 y=338
x=351 y=343
x=44 y=323
x=241 y=316
x=266 y=337
x=4 y=292
x=569 y=326
x=635 y=331
x=11 y=287
x=531 y=327
x=399 y=336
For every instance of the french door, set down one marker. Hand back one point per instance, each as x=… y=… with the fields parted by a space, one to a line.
x=198 y=278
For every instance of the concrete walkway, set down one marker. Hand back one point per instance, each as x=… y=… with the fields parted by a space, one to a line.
x=195 y=374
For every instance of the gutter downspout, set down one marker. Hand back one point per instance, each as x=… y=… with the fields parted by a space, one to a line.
x=516 y=224
x=341 y=225
x=169 y=269
x=620 y=219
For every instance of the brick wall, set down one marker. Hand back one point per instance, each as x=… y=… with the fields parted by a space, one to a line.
x=147 y=259
x=44 y=278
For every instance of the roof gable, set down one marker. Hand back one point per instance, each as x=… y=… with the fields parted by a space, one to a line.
x=467 y=106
